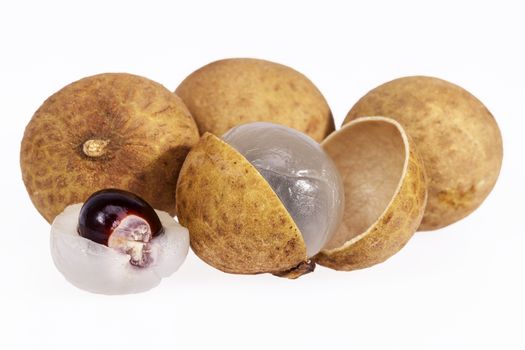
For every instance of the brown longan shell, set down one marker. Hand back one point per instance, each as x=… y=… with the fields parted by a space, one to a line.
x=458 y=139
x=236 y=222
x=146 y=131
x=229 y=92
x=385 y=191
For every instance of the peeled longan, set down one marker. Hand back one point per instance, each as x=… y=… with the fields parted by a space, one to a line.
x=230 y=92
x=457 y=137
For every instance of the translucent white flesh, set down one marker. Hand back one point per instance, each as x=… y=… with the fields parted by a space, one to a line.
x=299 y=172
x=100 y=269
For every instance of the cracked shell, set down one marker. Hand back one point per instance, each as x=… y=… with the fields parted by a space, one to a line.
x=458 y=139
x=236 y=222
x=235 y=91
x=385 y=190
x=108 y=130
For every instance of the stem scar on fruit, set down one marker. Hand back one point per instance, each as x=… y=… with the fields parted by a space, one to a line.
x=95 y=147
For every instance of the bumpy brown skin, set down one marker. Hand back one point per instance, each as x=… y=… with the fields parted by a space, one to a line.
x=226 y=93
x=456 y=135
x=236 y=222
x=392 y=230
x=140 y=134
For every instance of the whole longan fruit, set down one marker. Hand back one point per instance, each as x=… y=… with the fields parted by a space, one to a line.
x=229 y=92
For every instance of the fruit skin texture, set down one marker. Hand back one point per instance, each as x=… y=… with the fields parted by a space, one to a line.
x=229 y=92
x=395 y=226
x=456 y=135
x=236 y=222
x=109 y=130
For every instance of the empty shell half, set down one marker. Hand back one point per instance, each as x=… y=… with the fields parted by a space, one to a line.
x=385 y=191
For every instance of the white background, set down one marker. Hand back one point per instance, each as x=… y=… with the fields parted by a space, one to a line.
x=458 y=288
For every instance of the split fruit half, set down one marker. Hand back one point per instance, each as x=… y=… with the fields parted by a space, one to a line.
x=265 y=198
x=385 y=189
x=116 y=243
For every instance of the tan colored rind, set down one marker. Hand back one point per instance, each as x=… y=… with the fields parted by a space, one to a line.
x=393 y=229
x=109 y=130
x=456 y=135
x=236 y=222
x=230 y=92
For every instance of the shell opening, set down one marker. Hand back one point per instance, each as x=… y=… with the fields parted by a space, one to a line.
x=371 y=157
x=299 y=172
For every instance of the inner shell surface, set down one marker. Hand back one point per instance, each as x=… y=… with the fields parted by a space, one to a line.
x=370 y=157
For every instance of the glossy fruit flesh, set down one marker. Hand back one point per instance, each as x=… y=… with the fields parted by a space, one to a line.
x=299 y=172
x=122 y=221
x=100 y=269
